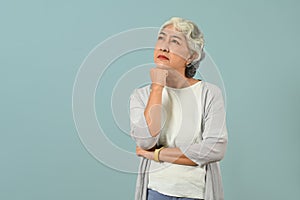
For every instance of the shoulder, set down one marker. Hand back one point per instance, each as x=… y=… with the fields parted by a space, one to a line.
x=211 y=95
x=210 y=88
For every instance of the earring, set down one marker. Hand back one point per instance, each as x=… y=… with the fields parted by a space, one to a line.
x=190 y=70
x=189 y=65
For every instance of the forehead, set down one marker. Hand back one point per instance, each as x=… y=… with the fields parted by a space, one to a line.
x=171 y=31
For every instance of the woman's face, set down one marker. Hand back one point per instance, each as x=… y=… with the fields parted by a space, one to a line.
x=171 y=49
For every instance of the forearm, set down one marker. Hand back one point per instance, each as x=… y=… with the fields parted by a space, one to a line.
x=175 y=155
x=153 y=110
x=171 y=155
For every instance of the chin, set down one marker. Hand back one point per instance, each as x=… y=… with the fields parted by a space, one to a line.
x=162 y=63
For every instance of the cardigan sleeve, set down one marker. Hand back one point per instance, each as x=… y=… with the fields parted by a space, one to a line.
x=214 y=132
x=139 y=129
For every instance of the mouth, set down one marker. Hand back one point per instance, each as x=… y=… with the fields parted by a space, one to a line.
x=162 y=57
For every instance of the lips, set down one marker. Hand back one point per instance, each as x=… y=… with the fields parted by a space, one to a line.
x=162 y=57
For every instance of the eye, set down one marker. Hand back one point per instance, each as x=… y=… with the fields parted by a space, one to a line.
x=159 y=38
x=175 y=41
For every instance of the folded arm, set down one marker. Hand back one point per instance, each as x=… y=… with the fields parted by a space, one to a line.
x=214 y=138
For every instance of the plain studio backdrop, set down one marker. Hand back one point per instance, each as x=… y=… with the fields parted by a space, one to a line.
x=255 y=45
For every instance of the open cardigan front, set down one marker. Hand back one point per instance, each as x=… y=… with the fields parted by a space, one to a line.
x=208 y=152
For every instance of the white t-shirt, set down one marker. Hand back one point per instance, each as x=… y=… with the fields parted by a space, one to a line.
x=182 y=114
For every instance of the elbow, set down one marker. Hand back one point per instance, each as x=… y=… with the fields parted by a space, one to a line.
x=146 y=143
x=216 y=152
x=220 y=154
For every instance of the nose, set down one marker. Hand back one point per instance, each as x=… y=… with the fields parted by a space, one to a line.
x=164 y=47
x=165 y=50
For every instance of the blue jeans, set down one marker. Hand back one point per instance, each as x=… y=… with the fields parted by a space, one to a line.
x=154 y=195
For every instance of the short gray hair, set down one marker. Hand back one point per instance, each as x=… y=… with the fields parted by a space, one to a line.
x=194 y=36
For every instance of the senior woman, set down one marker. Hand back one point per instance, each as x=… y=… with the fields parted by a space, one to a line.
x=178 y=122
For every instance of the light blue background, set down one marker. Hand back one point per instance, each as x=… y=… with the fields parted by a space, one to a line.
x=254 y=43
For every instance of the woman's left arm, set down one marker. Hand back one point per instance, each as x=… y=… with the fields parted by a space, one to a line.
x=171 y=155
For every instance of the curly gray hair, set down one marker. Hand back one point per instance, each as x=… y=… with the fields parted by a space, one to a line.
x=195 y=40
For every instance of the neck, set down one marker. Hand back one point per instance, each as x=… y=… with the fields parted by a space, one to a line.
x=176 y=79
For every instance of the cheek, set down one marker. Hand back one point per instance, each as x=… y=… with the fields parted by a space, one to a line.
x=177 y=61
x=180 y=51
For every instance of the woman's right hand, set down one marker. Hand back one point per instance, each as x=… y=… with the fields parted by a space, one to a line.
x=158 y=76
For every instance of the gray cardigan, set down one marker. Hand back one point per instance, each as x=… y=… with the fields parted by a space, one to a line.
x=208 y=152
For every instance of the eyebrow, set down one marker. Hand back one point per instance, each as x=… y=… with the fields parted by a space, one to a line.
x=175 y=36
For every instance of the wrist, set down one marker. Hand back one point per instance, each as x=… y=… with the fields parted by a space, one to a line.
x=156 y=87
x=156 y=154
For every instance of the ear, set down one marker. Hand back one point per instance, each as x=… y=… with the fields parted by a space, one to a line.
x=192 y=57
